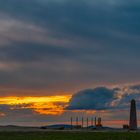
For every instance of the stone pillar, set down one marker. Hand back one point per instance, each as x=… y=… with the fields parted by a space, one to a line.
x=133 y=116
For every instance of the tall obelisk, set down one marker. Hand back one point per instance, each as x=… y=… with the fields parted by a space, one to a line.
x=133 y=116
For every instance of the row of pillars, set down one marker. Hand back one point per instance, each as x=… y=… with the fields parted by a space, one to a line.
x=94 y=122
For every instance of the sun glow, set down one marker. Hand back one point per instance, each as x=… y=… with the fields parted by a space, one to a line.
x=49 y=105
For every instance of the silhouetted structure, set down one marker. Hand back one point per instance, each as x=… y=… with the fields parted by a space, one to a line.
x=95 y=122
x=133 y=116
x=126 y=126
x=82 y=122
x=77 y=121
x=99 y=124
x=92 y=121
x=87 y=122
x=71 y=122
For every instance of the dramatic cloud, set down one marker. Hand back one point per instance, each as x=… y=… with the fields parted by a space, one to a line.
x=57 y=47
x=42 y=105
x=98 y=98
x=103 y=98
x=66 y=45
x=101 y=101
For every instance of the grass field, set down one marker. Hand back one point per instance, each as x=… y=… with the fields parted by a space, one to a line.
x=69 y=136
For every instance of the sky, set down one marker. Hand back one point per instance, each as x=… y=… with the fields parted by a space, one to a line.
x=62 y=58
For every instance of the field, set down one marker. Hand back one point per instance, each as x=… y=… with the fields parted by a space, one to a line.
x=69 y=136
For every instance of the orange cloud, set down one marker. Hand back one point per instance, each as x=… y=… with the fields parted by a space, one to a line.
x=51 y=108
x=49 y=105
x=2 y=114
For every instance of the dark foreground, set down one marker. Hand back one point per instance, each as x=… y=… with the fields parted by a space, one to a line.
x=69 y=136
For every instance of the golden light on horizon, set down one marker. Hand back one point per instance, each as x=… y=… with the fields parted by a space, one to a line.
x=47 y=105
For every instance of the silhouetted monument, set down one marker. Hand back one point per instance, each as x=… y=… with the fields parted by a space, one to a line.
x=133 y=116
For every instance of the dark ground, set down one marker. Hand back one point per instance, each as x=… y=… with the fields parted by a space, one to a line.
x=69 y=136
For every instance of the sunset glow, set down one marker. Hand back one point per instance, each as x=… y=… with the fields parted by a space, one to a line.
x=62 y=59
x=51 y=105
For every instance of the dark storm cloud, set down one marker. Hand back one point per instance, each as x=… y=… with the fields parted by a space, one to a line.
x=98 y=98
x=86 y=19
x=45 y=43
x=28 y=52
x=102 y=98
